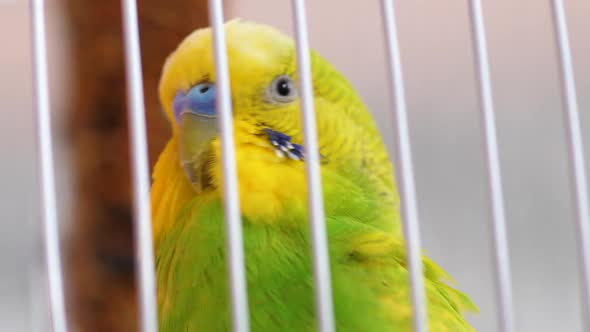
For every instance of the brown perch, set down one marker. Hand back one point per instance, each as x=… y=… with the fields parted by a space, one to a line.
x=99 y=255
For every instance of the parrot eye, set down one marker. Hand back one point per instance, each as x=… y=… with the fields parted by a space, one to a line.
x=282 y=90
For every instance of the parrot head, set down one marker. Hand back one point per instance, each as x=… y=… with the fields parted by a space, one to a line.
x=266 y=112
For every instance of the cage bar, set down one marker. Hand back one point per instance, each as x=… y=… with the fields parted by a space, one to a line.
x=315 y=201
x=498 y=229
x=46 y=169
x=576 y=152
x=405 y=169
x=233 y=221
x=144 y=253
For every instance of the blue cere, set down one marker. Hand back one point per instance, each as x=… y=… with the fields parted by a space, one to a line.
x=200 y=100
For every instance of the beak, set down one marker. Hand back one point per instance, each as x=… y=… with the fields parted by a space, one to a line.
x=196 y=133
x=196 y=119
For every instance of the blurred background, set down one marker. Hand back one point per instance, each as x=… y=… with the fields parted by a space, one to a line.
x=87 y=92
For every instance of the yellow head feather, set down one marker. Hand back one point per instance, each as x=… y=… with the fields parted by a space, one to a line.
x=257 y=54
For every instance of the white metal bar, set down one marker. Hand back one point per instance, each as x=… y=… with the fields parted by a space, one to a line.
x=576 y=152
x=233 y=221
x=315 y=201
x=499 y=236
x=409 y=206
x=46 y=169
x=144 y=252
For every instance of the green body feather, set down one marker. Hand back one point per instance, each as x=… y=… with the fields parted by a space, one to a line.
x=369 y=277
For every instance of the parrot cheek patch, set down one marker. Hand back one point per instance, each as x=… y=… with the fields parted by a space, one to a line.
x=283 y=146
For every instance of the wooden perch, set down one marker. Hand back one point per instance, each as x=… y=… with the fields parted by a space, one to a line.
x=99 y=255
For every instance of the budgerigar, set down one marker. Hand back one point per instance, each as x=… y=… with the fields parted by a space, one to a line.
x=370 y=284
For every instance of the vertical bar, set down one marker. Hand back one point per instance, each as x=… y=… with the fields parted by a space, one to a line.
x=46 y=169
x=576 y=152
x=144 y=252
x=233 y=221
x=499 y=236
x=409 y=206
x=315 y=199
